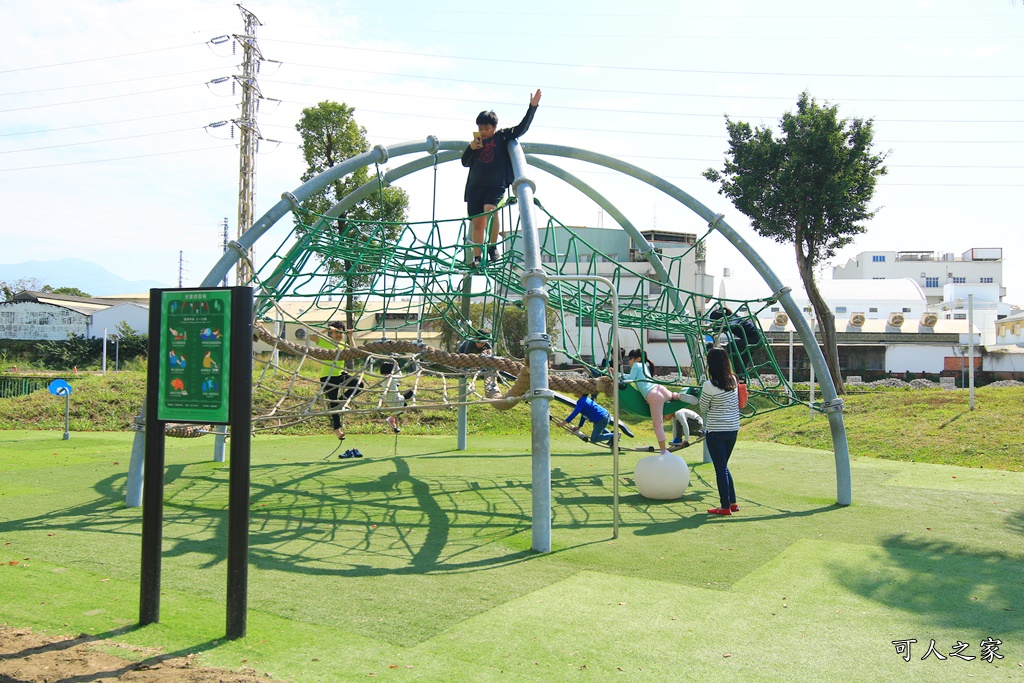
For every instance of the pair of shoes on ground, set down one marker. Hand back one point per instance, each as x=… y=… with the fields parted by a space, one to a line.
x=392 y=422
x=724 y=511
x=351 y=453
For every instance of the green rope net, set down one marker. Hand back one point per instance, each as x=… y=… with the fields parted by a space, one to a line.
x=408 y=281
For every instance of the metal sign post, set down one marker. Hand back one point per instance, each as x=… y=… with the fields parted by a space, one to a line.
x=59 y=387
x=199 y=371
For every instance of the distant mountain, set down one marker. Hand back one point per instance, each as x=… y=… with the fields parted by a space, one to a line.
x=72 y=272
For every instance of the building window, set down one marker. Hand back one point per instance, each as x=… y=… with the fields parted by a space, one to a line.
x=959 y=280
x=931 y=282
x=959 y=316
x=986 y=280
x=654 y=288
x=872 y=310
x=906 y=310
x=878 y=278
x=878 y=258
x=840 y=309
x=586 y=322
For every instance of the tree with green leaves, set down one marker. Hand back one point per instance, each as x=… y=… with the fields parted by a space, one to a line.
x=809 y=187
x=66 y=291
x=330 y=135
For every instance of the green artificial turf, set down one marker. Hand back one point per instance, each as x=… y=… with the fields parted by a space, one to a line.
x=417 y=566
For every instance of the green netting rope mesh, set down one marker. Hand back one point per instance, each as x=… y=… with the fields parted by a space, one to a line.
x=421 y=279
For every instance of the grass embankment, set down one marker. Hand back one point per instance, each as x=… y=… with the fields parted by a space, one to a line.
x=916 y=425
x=920 y=425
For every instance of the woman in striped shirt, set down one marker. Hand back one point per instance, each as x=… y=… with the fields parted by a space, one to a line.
x=719 y=404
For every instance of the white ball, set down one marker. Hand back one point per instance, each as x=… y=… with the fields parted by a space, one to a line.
x=662 y=477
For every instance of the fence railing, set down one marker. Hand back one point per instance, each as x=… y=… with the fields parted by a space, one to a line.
x=22 y=386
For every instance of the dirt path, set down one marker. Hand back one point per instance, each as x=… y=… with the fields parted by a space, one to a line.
x=26 y=657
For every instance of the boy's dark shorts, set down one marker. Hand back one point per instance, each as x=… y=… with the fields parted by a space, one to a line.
x=478 y=197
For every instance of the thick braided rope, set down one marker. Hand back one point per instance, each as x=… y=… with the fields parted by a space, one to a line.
x=187 y=431
x=426 y=353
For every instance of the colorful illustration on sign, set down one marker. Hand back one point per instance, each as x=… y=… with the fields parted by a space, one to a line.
x=195 y=324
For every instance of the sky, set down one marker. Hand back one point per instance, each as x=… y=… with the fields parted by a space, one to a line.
x=110 y=152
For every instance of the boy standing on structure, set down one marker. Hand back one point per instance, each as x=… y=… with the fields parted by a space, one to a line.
x=490 y=174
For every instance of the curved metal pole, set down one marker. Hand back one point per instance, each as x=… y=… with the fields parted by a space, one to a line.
x=833 y=404
x=648 y=251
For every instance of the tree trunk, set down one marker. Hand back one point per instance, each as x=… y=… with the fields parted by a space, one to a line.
x=826 y=321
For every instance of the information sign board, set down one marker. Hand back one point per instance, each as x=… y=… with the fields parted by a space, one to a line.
x=195 y=359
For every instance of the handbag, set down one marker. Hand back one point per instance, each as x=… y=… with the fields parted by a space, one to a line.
x=741 y=394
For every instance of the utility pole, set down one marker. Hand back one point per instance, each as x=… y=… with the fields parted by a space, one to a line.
x=249 y=134
x=181 y=268
x=224 y=244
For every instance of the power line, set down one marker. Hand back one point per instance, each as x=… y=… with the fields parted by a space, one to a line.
x=98 y=161
x=100 y=99
x=100 y=59
x=663 y=112
x=110 y=123
x=96 y=142
x=93 y=85
x=655 y=93
x=717 y=72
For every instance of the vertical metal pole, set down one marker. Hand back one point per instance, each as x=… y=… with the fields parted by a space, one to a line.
x=970 y=333
x=104 y=350
x=67 y=414
x=153 y=486
x=463 y=426
x=220 y=435
x=791 y=360
x=538 y=350
x=810 y=395
x=240 y=410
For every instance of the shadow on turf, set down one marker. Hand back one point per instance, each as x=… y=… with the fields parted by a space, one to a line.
x=112 y=674
x=952 y=585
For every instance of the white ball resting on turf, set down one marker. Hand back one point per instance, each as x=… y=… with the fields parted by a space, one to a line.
x=661 y=477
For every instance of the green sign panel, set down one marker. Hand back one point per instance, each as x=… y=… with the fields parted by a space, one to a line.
x=195 y=330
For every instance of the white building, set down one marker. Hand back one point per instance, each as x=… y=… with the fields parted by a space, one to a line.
x=299 y=320
x=46 y=316
x=949 y=282
x=932 y=270
x=582 y=250
x=872 y=299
